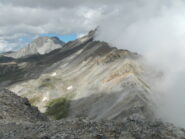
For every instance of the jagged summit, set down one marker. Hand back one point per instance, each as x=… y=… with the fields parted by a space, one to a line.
x=39 y=46
x=40 y=41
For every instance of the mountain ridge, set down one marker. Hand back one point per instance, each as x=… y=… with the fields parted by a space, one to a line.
x=94 y=90
x=85 y=59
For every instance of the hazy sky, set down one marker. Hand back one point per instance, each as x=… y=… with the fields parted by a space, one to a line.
x=153 y=28
x=22 y=19
x=27 y=18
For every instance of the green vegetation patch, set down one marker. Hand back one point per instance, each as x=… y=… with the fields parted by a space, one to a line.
x=58 y=108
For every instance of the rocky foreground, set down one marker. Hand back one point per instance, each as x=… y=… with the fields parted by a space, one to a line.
x=20 y=120
x=132 y=127
x=15 y=108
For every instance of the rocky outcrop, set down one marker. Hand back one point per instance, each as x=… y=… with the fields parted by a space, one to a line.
x=17 y=109
x=39 y=46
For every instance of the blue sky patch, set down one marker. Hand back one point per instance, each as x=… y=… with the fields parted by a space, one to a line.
x=25 y=39
x=64 y=38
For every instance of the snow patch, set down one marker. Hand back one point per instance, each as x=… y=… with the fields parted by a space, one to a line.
x=70 y=87
x=53 y=74
x=45 y=99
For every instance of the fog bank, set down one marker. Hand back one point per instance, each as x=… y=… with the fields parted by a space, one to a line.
x=156 y=30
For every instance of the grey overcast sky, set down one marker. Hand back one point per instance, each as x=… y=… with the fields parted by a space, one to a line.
x=28 y=18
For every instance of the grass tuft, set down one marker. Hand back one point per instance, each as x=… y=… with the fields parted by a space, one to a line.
x=58 y=108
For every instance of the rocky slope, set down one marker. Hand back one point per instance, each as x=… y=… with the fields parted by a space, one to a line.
x=129 y=128
x=15 y=108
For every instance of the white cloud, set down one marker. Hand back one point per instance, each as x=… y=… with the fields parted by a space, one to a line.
x=156 y=30
x=23 y=17
x=7 y=46
x=20 y=17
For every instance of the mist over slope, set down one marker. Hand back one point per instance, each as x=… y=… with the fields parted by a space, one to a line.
x=154 y=29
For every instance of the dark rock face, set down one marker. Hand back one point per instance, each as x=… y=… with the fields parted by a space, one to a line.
x=15 y=108
x=4 y=59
